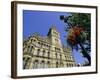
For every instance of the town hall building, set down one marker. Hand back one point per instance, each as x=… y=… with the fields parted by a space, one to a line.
x=46 y=52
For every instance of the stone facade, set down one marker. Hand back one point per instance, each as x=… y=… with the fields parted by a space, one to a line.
x=46 y=52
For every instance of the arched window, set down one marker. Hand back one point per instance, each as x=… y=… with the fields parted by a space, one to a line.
x=56 y=64
x=35 y=64
x=43 y=53
x=39 y=44
x=48 y=54
x=48 y=64
x=30 y=49
x=43 y=64
x=56 y=55
x=67 y=65
x=38 y=52
x=26 y=63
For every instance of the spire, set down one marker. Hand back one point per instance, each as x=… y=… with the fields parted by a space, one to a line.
x=54 y=27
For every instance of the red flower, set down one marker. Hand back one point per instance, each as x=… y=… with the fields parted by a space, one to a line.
x=73 y=34
x=77 y=30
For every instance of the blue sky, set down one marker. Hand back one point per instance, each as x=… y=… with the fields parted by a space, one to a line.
x=41 y=21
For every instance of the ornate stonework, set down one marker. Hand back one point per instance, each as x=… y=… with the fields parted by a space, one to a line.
x=46 y=52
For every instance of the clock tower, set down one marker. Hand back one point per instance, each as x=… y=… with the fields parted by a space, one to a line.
x=54 y=35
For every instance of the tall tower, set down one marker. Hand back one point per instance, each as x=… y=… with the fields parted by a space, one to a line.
x=54 y=35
